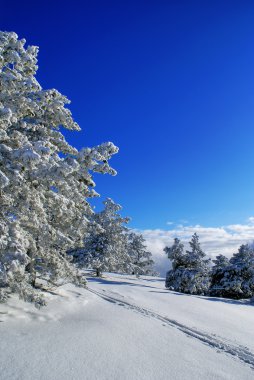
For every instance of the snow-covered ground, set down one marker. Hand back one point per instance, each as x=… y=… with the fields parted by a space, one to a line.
x=124 y=328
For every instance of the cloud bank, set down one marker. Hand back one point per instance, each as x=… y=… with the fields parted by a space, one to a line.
x=214 y=240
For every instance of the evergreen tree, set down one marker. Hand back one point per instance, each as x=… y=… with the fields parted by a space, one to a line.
x=44 y=181
x=175 y=254
x=140 y=259
x=238 y=279
x=190 y=271
x=217 y=274
x=105 y=245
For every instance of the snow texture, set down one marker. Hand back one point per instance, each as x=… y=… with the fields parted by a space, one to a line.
x=121 y=327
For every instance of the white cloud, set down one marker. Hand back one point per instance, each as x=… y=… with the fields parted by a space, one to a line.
x=169 y=223
x=214 y=240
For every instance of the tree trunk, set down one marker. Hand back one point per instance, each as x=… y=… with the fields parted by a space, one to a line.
x=30 y=268
x=98 y=272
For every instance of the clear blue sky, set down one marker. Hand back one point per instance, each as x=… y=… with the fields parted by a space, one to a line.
x=171 y=83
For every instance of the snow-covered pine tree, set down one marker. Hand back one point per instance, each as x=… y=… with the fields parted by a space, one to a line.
x=44 y=181
x=238 y=279
x=192 y=271
x=175 y=254
x=217 y=274
x=105 y=244
x=198 y=267
x=141 y=262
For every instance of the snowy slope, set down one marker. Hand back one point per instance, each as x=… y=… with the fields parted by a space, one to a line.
x=126 y=328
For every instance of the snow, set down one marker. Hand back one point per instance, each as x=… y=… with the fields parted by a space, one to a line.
x=123 y=327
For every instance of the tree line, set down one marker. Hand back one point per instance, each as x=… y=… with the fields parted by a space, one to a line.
x=192 y=271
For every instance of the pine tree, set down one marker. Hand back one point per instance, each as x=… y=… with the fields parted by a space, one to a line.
x=141 y=262
x=217 y=274
x=44 y=181
x=191 y=271
x=238 y=279
x=105 y=245
x=175 y=254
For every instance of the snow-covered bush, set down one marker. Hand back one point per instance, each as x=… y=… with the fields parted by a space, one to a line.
x=44 y=181
x=190 y=271
x=105 y=244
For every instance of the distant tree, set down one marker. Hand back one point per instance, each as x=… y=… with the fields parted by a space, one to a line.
x=199 y=267
x=238 y=277
x=44 y=181
x=105 y=244
x=175 y=254
x=190 y=272
x=140 y=259
x=221 y=264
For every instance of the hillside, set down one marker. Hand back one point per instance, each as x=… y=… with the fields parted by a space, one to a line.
x=122 y=327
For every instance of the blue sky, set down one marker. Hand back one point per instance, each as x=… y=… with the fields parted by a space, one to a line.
x=169 y=82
